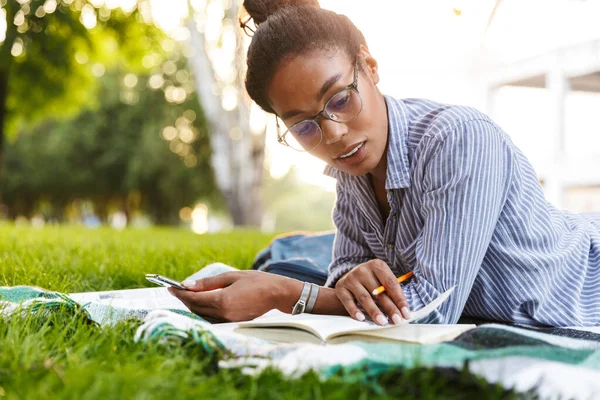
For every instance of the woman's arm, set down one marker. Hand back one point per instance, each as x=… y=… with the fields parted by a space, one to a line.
x=465 y=178
x=355 y=272
x=466 y=181
x=349 y=248
x=244 y=295
x=248 y=294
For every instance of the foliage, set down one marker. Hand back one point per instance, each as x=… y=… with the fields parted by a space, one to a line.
x=99 y=139
x=112 y=152
x=63 y=358
x=51 y=70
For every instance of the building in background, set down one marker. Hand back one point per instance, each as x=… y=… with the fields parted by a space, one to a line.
x=540 y=77
x=570 y=180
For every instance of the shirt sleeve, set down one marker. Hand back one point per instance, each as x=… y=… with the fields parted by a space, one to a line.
x=465 y=182
x=349 y=247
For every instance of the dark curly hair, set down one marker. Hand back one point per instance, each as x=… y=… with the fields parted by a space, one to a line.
x=286 y=28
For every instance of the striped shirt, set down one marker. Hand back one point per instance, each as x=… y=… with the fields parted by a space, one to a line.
x=467 y=210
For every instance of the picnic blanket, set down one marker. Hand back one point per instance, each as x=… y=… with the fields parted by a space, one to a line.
x=25 y=299
x=553 y=362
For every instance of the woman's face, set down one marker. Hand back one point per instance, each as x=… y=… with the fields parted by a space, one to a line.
x=302 y=85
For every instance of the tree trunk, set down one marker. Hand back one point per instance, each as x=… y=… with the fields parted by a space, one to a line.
x=237 y=161
x=5 y=63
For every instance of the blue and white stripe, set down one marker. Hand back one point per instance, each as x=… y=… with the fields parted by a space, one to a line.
x=467 y=210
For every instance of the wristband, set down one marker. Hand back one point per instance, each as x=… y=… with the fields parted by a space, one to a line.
x=301 y=303
x=312 y=297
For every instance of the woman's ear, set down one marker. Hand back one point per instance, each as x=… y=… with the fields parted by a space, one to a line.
x=370 y=64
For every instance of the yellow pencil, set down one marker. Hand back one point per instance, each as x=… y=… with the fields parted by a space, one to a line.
x=402 y=278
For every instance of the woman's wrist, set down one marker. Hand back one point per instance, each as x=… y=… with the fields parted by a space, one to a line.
x=288 y=294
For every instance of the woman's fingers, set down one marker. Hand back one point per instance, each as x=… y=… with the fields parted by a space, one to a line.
x=206 y=304
x=238 y=296
x=353 y=288
x=211 y=282
x=347 y=299
x=393 y=291
x=387 y=306
x=357 y=286
x=368 y=304
x=191 y=299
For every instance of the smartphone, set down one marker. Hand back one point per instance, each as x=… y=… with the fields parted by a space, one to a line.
x=164 y=281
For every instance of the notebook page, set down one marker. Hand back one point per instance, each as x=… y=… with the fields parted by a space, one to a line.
x=329 y=326
x=420 y=333
x=415 y=316
x=145 y=298
x=322 y=326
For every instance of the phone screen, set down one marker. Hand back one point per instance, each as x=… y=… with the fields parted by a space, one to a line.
x=164 y=281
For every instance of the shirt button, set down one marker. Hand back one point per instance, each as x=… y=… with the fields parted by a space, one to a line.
x=390 y=245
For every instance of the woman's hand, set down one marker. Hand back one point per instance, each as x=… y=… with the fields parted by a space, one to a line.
x=358 y=284
x=244 y=295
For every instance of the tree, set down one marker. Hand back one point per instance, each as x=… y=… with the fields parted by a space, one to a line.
x=135 y=142
x=238 y=153
x=49 y=51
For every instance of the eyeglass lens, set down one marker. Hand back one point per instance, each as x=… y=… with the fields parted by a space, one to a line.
x=342 y=107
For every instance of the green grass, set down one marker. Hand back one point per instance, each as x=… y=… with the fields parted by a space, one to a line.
x=62 y=356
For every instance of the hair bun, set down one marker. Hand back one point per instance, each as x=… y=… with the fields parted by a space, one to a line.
x=260 y=10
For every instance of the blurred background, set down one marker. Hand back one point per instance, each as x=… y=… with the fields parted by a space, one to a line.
x=132 y=113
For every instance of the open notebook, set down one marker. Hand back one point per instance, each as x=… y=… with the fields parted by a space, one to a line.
x=144 y=298
x=282 y=327
x=113 y=305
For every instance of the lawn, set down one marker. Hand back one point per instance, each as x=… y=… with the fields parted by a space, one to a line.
x=64 y=357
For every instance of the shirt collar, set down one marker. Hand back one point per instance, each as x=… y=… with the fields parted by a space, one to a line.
x=398 y=167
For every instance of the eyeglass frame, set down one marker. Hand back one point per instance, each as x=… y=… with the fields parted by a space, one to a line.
x=245 y=25
x=353 y=86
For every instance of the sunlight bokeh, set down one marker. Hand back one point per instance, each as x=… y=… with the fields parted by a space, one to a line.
x=440 y=50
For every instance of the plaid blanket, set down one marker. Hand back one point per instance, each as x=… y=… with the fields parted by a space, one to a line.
x=27 y=299
x=553 y=362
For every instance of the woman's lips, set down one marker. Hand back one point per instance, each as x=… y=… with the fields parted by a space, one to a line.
x=355 y=158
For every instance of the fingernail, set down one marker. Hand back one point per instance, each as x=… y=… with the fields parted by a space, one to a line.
x=188 y=283
x=405 y=312
x=397 y=319
x=381 y=320
x=360 y=316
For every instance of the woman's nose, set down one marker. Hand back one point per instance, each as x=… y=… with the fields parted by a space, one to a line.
x=332 y=131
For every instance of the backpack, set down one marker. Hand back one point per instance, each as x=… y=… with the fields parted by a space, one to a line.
x=302 y=256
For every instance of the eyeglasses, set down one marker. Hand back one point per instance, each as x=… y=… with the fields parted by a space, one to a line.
x=245 y=25
x=343 y=106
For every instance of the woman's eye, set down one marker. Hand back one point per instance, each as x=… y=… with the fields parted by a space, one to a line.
x=301 y=129
x=339 y=101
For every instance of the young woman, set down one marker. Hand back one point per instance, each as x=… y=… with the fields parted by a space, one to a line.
x=434 y=189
